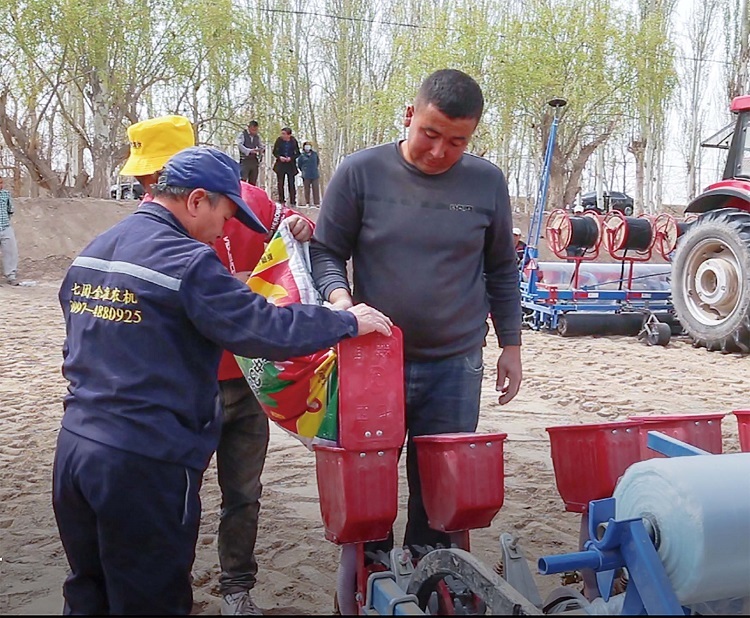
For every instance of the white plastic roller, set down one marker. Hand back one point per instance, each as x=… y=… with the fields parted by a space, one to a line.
x=699 y=507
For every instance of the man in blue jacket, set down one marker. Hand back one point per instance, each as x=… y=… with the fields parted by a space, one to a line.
x=148 y=310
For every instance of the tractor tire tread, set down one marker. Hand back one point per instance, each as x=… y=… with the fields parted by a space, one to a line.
x=736 y=223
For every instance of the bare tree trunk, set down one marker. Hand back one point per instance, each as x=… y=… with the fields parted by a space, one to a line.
x=659 y=176
x=101 y=144
x=648 y=169
x=637 y=148
x=23 y=145
x=578 y=164
x=700 y=31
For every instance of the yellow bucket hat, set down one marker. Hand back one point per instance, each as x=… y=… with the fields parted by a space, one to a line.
x=153 y=142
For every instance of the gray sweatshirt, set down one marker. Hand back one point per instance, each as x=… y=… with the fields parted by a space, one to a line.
x=433 y=252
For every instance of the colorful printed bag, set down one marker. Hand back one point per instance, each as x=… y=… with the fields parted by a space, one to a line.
x=299 y=394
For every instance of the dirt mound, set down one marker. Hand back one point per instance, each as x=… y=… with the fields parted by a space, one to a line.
x=52 y=231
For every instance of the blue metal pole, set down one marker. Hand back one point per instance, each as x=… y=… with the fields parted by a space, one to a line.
x=590 y=559
x=535 y=227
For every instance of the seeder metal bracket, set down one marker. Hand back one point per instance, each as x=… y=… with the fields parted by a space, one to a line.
x=386 y=598
x=499 y=596
x=516 y=570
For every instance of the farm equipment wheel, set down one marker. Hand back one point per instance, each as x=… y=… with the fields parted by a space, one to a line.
x=481 y=581
x=562 y=326
x=575 y=324
x=660 y=334
x=711 y=280
x=565 y=599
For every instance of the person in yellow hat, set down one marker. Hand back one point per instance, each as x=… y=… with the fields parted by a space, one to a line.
x=243 y=442
x=153 y=142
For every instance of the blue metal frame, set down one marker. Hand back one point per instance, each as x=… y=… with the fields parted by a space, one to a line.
x=627 y=543
x=386 y=598
x=548 y=307
x=671 y=447
x=624 y=544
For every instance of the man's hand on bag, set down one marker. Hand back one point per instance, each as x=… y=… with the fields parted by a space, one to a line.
x=300 y=228
x=509 y=373
x=370 y=320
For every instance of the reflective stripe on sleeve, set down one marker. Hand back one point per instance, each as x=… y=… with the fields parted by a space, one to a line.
x=126 y=268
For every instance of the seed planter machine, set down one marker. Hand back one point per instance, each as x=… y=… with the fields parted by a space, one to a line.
x=665 y=517
x=579 y=296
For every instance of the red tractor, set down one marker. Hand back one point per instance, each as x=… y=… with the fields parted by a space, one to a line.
x=711 y=264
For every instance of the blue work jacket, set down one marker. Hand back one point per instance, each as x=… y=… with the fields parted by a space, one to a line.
x=148 y=310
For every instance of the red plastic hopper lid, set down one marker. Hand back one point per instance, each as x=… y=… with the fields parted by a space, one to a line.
x=677 y=417
x=590 y=426
x=461 y=438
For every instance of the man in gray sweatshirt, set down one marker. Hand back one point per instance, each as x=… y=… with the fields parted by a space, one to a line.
x=428 y=228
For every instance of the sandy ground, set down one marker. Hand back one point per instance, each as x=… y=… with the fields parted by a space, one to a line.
x=566 y=381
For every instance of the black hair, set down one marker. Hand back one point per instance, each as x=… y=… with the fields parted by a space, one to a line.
x=252 y=123
x=169 y=191
x=452 y=92
x=287 y=130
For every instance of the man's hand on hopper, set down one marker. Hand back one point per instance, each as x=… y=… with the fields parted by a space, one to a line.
x=370 y=320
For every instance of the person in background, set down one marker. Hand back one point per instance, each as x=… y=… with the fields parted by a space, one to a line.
x=152 y=143
x=8 y=244
x=286 y=151
x=251 y=152
x=309 y=166
x=428 y=227
x=148 y=309
x=520 y=247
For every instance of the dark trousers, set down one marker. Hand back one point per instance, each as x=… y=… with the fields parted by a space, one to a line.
x=315 y=186
x=239 y=460
x=249 y=168
x=287 y=172
x=129 y=525
x=441 y=397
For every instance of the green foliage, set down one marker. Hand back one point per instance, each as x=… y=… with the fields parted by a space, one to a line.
x=576 y=50
x=650 y=59
x=339 y=72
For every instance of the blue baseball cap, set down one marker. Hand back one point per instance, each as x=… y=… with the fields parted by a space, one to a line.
x=201 y=167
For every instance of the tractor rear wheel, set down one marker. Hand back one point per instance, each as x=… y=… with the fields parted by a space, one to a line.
x=711 y=280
